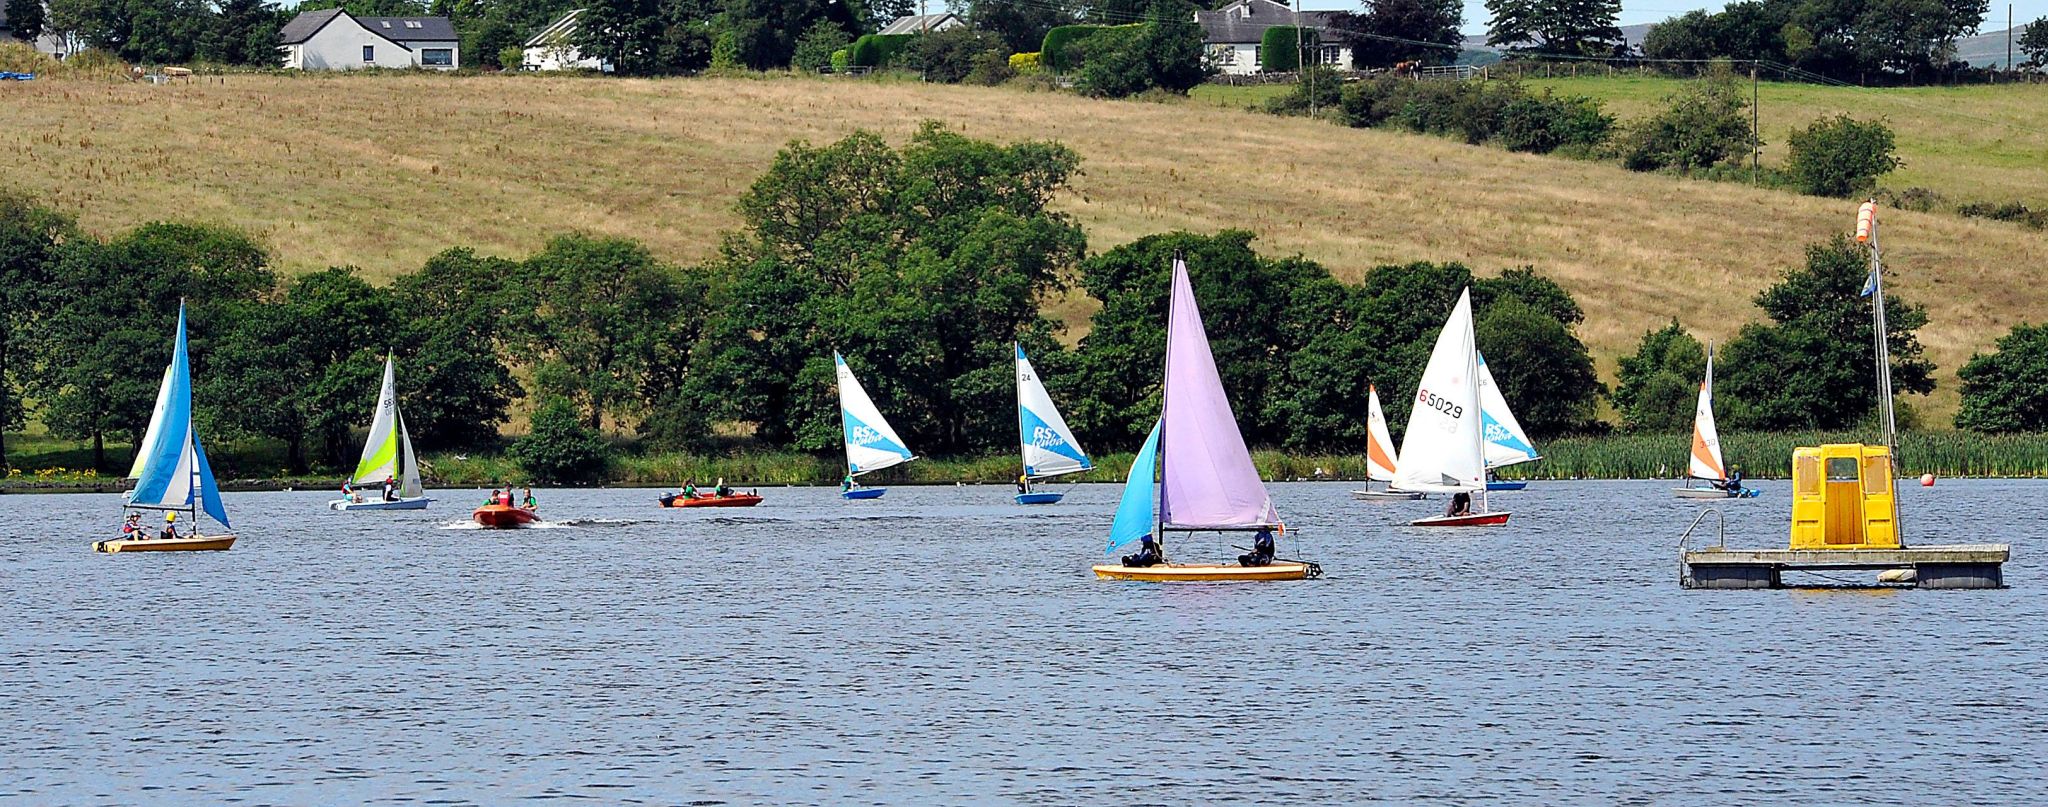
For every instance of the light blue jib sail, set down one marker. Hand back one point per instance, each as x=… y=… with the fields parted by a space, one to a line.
x=1049 y=446
x=870 y=444
x=1506 y=443
x=174 y=471
x=1134 y=513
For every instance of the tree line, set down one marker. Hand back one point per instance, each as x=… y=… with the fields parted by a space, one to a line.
x=921 y=264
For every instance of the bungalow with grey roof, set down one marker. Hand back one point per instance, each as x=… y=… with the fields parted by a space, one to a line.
x=333 y=39
x=1232 y=35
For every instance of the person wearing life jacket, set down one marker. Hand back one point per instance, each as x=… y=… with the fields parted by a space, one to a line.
x=1733 y=484
x=528 y=501
x=1461 y=505
x=721 y=491
x=390 y=488
x=348 y=491
x=1023 y=484
x=170 y=529
x=847 y=484
x=132 y=528
x=494 y=498
x=690 y=489
x=1148 y=554
x=1262 y=551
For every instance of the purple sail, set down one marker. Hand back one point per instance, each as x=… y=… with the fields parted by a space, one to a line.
x=1208 y=481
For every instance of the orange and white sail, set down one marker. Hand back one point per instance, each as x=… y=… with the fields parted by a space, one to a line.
x=1380 y=456
x=1706 y=441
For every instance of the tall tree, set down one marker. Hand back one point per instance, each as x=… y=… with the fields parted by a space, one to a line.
x=599 y=318
x=31 y=240
x=1563 y=27
x=2007 y=390
x=25 y=17
x=1022 y=25
x=1388 y=32
x=455 y=373
x=1654 y=386
x=244 y=33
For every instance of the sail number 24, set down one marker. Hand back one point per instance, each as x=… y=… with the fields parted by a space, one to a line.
x=1426 y=398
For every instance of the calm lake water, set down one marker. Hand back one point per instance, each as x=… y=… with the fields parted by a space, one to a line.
x=941 y=645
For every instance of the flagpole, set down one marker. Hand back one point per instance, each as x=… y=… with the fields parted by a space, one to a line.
x=1866 y=228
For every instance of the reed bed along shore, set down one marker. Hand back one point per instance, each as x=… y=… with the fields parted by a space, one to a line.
x=383 y=171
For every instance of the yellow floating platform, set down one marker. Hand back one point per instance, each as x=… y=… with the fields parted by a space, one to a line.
x=196 y=543
x=1208 y=572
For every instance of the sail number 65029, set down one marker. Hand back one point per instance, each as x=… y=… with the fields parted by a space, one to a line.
x=1426 y=398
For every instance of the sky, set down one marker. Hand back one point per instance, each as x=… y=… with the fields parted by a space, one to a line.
x=1644 y=11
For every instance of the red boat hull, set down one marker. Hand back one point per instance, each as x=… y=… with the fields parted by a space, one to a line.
x=502 y=517
x=1474 y=520
x=735 y=500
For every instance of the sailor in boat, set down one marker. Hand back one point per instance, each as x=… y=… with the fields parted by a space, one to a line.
x=1148 y=554
x=133 y=527
x=494 y=498
x=170 y=530
x=690 y=489
x=847 y=484
x=721 y=491
x=348 y=491
x=1461 y=505
x=390 y=488
x=1262 y=551
x=1733 y=484
x=528 y=501
x=1023 y=484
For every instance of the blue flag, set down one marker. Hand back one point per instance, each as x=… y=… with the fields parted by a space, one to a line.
x=1870 y=285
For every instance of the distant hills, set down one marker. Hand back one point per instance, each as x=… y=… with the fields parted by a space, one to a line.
x=1983 y=50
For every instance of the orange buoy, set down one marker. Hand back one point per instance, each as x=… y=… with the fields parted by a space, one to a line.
x=1927 y=480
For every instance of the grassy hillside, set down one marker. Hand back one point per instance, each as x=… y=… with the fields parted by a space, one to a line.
x=1981 y=142
x=383 y=171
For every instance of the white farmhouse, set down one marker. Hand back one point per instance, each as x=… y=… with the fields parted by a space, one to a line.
x=554 y=48
x=922 y=23
x=333 y=39
x=1232 y=35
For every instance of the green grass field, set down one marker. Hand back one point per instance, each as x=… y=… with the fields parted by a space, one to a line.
x=1971 y=143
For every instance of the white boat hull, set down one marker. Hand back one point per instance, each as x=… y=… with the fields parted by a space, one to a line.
x=1712 y=493
x=1386 y=495
x=416 y=503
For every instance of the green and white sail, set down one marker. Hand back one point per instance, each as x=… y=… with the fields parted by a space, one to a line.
x=389 y=448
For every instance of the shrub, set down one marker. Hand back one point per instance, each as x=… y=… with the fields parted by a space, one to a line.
x=511 y=58
x=1703 y=126
x=876 y=50
x=1021 y=63
x=2007 y=211
x=1285 y=48
x=1546 y=123
x=819 y=47
x=1129 y=59
x=1054 y=53
x=1840 y=156
x=841 y=59
x=560 y=448
x=991 y=67
x=948 y=56
x=1318 y=84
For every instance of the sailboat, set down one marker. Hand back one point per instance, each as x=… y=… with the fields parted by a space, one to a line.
x=1506 y=443
x=1380 y=456
x=1050 y=449
x=171 y=470
x=870 y=444
x=1209 y=484
x=387 y=453
x=1444 y=449
x=1705 y=463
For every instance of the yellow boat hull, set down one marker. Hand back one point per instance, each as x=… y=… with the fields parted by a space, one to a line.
x=196 y=543
x=1208 y=572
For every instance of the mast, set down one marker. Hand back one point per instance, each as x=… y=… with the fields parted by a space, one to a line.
x=1165 y=375
x=1867 y=230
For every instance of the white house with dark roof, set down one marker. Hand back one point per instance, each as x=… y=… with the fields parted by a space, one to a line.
x=919 y=23
x=554 y=48
x=1232 y=34
x=333 y=39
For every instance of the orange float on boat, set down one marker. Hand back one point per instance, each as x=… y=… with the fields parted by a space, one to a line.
x=503 y=517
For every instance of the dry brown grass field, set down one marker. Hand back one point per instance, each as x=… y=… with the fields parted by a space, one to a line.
x=382 y=171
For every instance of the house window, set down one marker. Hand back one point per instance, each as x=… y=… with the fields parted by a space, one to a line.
x=369 y=54
x=437 y=57
x=1330 y=54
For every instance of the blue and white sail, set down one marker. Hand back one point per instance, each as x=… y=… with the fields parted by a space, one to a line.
x=1135 y=516
x=173 y=474
x=156 y=417
x=870 y=444
x=1506 y=443
x=1049 y=446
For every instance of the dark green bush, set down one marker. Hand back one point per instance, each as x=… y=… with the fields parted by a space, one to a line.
x=876 y=50
x=1501 y=112
x=1281 y=52
x=1704 y=125
x=2006 y=211
x=1319 y=84
x=948 y=56
x=1840 y=156
x=1054 y=54
x=1127 y=60
x=560 y=448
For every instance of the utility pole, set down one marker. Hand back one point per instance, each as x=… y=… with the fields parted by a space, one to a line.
x=2008 y=37
x=1301 y=60
x=1756 y=148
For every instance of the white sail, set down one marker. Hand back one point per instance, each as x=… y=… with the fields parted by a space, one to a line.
x=156 y=418
x=1706 y=440
x=380 y=452
x=1443 y=449
x=1049 y=446
x=409 y=482
x=870 y=444
x=1381 y=458
x=173 y=474
x=1506 y=443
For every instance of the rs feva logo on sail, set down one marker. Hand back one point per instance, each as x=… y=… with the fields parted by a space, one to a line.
x=1044 y=436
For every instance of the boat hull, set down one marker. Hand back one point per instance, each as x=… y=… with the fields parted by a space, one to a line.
x=501 y=517
x=196 y=543
x=1712 y=493
x=1208 y=572
x=863 y=493
x=419 y=503
x=1501 y=484
x=734 y=500
x=1473 y=520
x=1040 y=498
x=1386 y=495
